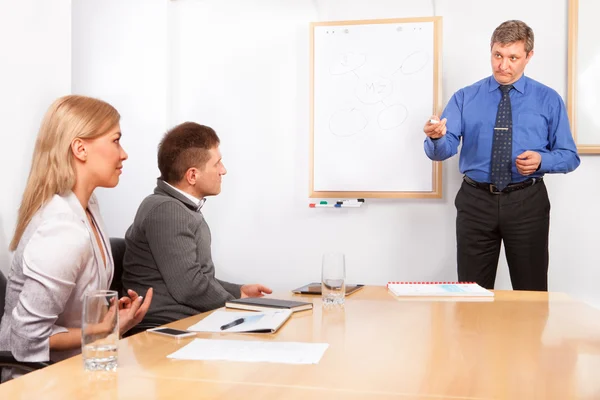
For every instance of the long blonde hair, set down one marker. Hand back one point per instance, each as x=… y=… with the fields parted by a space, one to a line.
x=52 y=166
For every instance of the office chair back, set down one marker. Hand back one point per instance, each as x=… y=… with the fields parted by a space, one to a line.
x=117 y=246
x=3 y=283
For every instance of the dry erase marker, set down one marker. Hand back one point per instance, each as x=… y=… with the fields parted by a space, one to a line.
x=434 y=121
x=351 y=201
x=319 y=205
x=344 y=205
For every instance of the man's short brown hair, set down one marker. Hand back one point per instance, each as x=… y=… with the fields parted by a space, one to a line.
x=513 y=31
x=183 y=147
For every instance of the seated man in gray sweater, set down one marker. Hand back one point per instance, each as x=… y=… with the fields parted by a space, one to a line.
x=169 y=243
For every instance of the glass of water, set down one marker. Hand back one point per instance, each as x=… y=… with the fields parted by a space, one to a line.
x=100 y=330
x=333 y=279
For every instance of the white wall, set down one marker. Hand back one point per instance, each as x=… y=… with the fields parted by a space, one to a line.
x=35 y=69
x=120 y=56
x=241 y=67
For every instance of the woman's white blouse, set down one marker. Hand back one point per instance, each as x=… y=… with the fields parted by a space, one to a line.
x=57 y=260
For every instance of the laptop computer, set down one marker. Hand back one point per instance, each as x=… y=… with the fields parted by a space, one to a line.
x=315 y=288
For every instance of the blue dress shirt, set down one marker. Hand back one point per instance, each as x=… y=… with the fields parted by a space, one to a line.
x=540 y=124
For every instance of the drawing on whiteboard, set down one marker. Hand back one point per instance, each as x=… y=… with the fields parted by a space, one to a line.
x=413 y=63
x=347 y=122
x=392 y=117
x=348 y=62
x=373 y=89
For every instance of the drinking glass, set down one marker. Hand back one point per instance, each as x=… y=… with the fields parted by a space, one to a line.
x=100 y=330
x=333 y=279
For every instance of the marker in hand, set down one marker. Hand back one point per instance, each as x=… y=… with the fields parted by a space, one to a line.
x=435 y=127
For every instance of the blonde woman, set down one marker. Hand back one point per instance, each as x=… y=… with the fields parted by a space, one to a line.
x=61 y=247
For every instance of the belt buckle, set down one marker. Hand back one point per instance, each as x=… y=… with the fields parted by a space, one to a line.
x=492 y=191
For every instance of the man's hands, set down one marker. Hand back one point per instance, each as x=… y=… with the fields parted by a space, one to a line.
x=435 y=130
x=254 y=290
x=528 y=162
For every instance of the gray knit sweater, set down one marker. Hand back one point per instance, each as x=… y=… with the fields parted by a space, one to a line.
x=168 y=249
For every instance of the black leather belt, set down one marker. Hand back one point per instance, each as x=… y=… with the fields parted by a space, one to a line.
x=488 y=187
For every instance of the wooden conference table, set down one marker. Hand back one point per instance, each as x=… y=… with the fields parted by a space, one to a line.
x=523 y=345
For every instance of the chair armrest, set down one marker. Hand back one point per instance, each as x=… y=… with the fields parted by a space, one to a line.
x=8 y=361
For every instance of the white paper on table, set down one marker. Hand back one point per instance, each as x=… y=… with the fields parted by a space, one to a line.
x=251 y=351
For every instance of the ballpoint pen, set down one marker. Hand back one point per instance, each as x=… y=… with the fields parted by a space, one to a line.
x=233 y=323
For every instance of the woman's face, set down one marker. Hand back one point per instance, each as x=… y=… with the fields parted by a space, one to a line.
x=105 y=158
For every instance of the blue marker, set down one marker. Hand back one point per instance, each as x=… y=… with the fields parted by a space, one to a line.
x=344 y=205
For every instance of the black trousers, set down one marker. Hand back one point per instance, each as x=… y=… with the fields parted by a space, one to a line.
x=521 y=219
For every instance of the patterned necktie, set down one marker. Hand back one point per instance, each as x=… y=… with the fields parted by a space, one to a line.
x=502 y=143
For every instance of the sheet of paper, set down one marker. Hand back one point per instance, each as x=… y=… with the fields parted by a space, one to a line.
x=251 y=351
x=253 y=321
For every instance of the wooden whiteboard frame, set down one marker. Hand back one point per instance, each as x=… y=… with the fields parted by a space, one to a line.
x=572 y=77
x=436 y=190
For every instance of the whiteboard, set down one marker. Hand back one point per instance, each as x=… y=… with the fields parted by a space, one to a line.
x=374 y=84
x=584 y=74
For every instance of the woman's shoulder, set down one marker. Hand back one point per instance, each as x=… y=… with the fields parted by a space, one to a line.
x=58 y=221
x=65 y=207
x=55 y=239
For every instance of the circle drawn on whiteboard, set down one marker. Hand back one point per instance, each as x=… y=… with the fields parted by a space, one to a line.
x=415 y=62
x=347 y=122
x=392 y=117
x=373 y=89
x=348 y=62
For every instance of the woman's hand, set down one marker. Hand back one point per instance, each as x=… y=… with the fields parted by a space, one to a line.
x=132 y=309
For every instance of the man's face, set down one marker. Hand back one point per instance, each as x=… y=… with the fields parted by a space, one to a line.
x=208 y=179
x=509 y=61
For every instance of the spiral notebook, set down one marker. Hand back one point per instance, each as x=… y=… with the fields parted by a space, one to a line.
x=454 y=289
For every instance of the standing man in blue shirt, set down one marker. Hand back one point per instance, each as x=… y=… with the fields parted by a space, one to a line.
x=514 y=130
